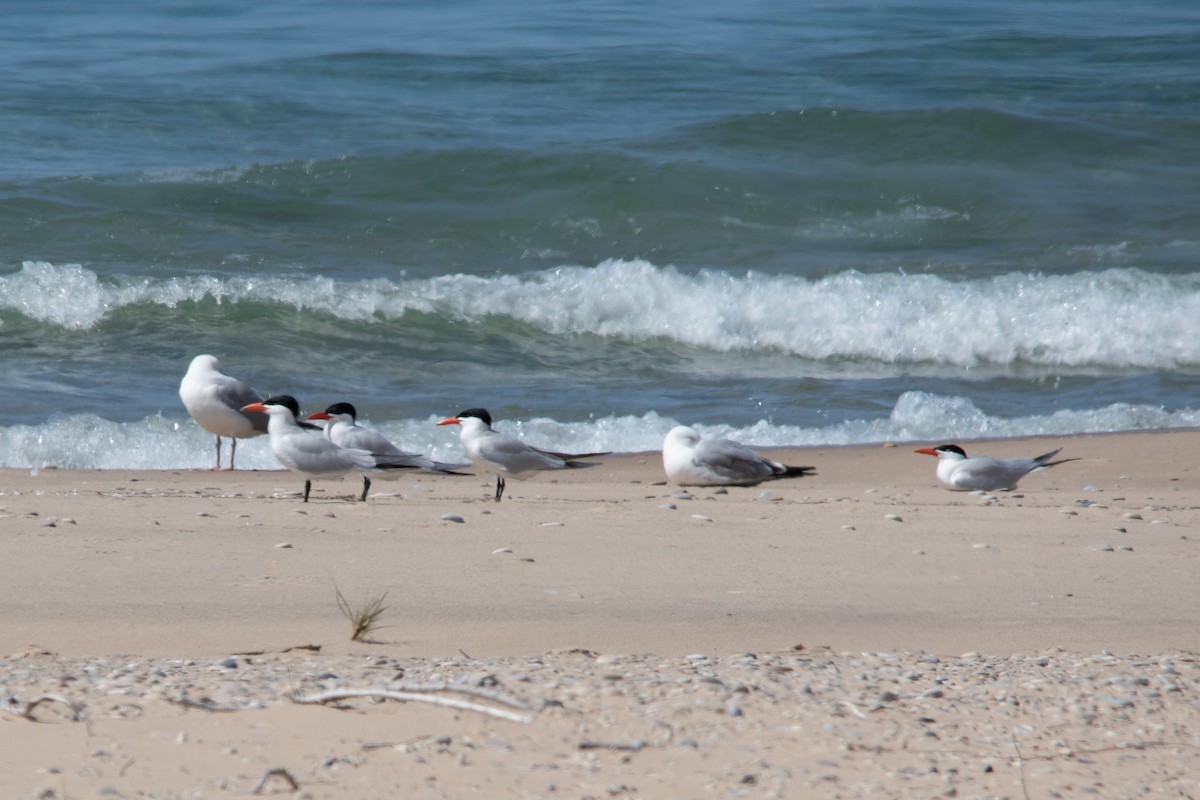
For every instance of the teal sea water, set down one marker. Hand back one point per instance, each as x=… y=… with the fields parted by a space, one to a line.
x=809 y=223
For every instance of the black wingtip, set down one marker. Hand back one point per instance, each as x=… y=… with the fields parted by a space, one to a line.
x=797 y=472
x=569 y=457
x=588 y=455
x=1045 y=464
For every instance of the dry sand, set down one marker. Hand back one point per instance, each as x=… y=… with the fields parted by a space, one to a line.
x=860 y=633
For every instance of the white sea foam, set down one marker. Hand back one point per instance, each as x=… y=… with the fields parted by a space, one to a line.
x=1112 y=319
x=158 y=442
x=86 y=441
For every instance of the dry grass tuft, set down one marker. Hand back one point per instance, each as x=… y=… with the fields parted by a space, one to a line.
x=364 y=619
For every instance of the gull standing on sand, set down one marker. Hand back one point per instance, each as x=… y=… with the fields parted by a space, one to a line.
x=216 y=401
x=310 y=454
x=961 y=473
x=342 y=429
x=690 y=460
x=507 y=456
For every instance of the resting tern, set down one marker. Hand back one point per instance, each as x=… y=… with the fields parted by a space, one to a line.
x=959 y=473
x=216 y=401
x=690 y=460
x=507 y=456
x=312 y=455
x=342 y=429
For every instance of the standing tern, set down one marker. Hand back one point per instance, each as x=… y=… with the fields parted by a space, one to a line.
x=342 y=429
x=959 y=473
x=692 y=461
x=312 y=455
x=507 y=456
x=216 y=402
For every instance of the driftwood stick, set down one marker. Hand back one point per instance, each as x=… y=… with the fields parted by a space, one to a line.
x=277 y=772
x=10 y=704
x=1020 y=763
x=632 y=747
x=414 y=697
x=462 y=688
x=853 y=709
x=204 y=703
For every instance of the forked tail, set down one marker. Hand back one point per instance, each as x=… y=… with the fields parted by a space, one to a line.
x=1043 y=461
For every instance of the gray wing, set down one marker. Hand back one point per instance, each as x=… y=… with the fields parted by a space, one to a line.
x=732 y=461
x=235 y=394
x=512 y=455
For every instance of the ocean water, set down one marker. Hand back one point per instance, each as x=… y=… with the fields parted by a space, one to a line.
x=793 y=224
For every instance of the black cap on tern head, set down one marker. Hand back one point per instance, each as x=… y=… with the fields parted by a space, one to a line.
x=951 y=448
x=479 y=413
x=342 y=408
x=285 y=400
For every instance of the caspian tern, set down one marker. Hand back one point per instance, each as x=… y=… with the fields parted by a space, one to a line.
x=692 y=461
x=342 y=429
x=311 y=455
x=215 y=401
x=959 y=473
x=507 y=456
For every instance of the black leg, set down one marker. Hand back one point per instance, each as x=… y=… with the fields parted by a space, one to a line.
x=218 y=466
x=307 y=489
x=232 y=451
x=366 y=487
x=499 y=488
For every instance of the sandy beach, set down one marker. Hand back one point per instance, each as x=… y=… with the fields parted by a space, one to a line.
x=858 y=633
